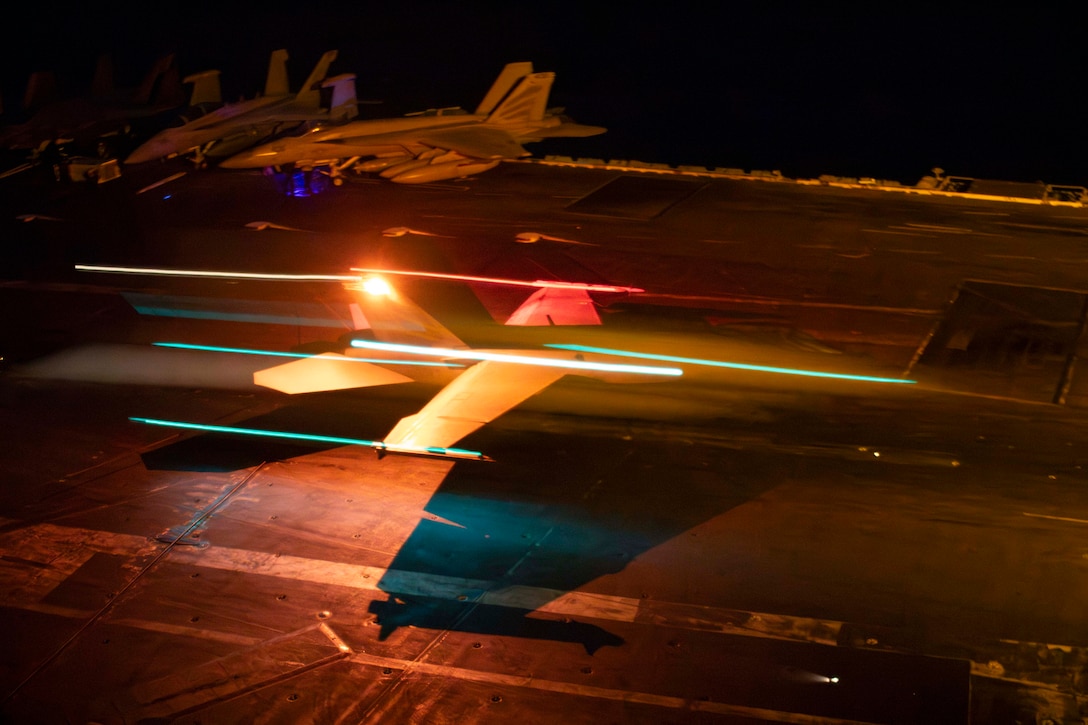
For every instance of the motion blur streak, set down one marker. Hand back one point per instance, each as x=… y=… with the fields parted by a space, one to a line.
x=379 y=445
x=272 y=353
x=215 y=274
x=549 y=284
x=516 y=359
x=732 y=365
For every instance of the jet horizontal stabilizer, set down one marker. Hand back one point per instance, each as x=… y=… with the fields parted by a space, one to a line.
x=569 y=130
x=322 y=373
x=551 y=306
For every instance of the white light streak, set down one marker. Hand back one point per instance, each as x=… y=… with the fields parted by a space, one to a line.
x=446 y=352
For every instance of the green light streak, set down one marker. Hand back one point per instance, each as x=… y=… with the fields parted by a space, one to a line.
x=379 y=445
x=731 y=365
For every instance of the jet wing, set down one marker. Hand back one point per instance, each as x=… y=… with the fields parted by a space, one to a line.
x=477 y=396
x=474 y=141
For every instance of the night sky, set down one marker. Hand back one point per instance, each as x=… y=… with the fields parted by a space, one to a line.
x=806 y=88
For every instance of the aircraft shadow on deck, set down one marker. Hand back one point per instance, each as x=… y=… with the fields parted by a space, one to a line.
x=568 y=500
x=501 y=621
x=216 y=453
x=554 y=513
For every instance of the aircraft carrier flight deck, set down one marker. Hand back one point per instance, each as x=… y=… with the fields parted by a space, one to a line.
x=862 y=502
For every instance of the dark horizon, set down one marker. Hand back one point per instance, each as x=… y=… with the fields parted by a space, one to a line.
x=885 y=93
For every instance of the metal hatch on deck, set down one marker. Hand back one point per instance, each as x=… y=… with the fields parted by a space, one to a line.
x=1009 y=341
x=637 y=197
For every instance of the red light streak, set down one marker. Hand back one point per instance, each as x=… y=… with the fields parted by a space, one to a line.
x=540 y=283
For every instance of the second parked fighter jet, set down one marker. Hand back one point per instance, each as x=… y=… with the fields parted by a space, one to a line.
x=431 y=146
x=239 y=125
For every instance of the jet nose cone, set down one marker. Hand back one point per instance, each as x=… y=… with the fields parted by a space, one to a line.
x=138 y=156
x=146 y=152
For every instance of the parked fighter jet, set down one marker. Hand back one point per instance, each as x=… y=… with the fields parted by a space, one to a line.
x=431 y=146
x=236 y=126
x=103 y=111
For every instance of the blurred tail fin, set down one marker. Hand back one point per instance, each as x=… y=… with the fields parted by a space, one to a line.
x=392 y=317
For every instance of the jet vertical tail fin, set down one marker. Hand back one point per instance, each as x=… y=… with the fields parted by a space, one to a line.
x=556 y=306
x=511 y=74
x=392 y=317
x=344 y=105
x=160 y=85
x=526 y=103
x=170 y=92
x=275 y=83
x=102 y=83
x=310 y=93
x=206 y=88
x=41 y=90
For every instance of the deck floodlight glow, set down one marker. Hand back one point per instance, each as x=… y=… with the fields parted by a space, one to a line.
x=377 y=286
x=731 y=365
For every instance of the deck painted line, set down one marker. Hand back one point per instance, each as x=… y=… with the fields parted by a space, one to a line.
x=1056 y=518
x=602 y=693
x=28 y=586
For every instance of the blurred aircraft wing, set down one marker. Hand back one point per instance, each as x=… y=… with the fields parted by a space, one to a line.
x=476 y=397
x=322 y=373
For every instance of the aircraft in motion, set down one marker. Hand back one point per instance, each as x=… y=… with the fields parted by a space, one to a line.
x=392 y=340
x=396 y=341
x=431 y=146
x=236 y=126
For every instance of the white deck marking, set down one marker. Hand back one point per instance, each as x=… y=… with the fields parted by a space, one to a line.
x=1056 y=518
x=603 y=693
x=38 y=558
